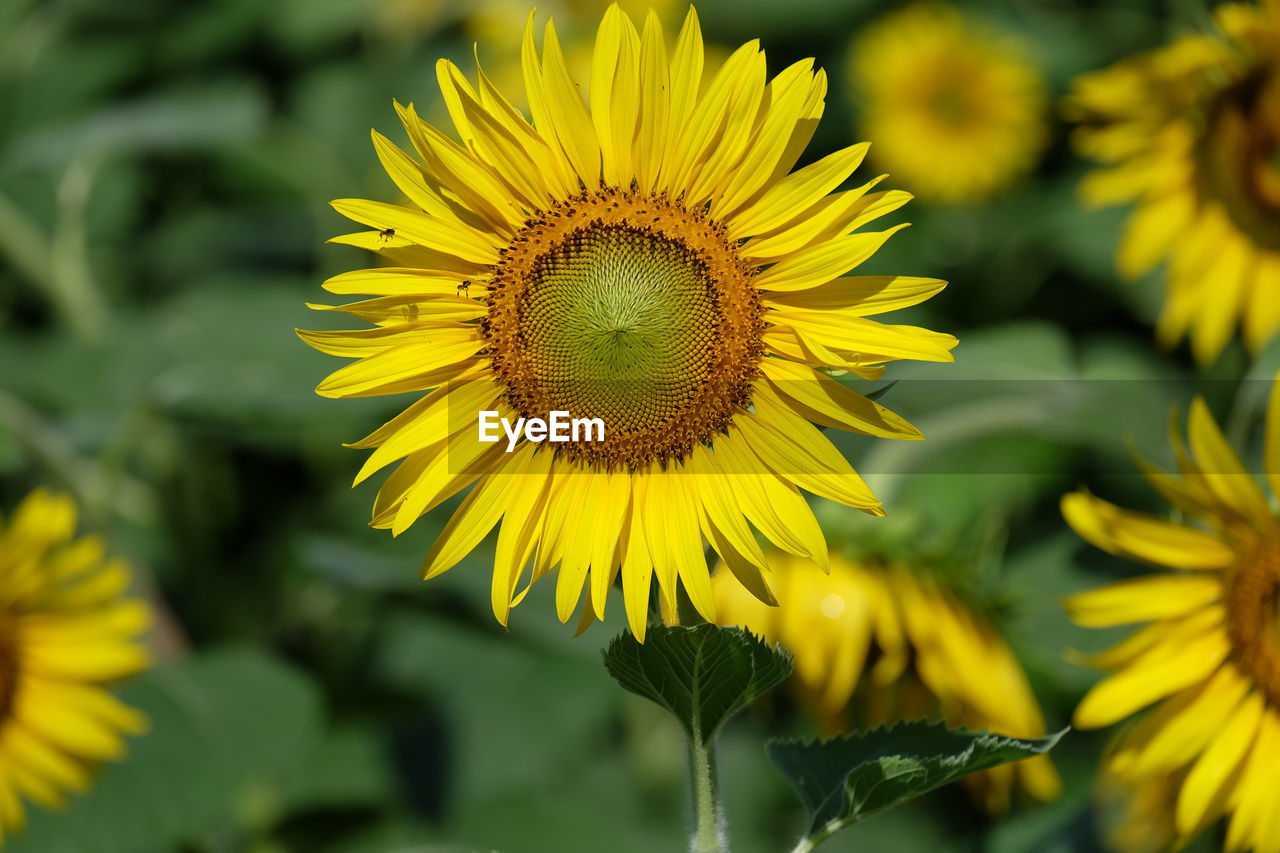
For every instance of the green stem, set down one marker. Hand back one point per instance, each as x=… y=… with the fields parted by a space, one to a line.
x=807 y=845
x=708 y=819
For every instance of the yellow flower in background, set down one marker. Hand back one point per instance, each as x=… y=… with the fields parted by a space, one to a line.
x=1209 y=661
x=652 y=262
x=66 y=628
x=1138 y=819
x=956 y=112
x=876 y=645
x=1190 y=134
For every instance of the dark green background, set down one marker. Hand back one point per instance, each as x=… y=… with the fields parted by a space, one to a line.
x=164 y=173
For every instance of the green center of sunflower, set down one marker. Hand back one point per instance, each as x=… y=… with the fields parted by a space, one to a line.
x=629 y=309
x=1253 y=618
x=1239 y=155
x=952 y=104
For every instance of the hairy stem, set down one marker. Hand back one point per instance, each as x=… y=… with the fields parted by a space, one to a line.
x=708 y=820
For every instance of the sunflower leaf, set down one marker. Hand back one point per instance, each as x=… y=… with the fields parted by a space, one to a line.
x=850 y=778
x=703 y=674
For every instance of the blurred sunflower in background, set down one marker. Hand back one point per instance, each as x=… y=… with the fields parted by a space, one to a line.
x=1209 y=661
x=876 y=644
x=653 y=262
x=1190 y=134
x=955 y=111
x=66 y=628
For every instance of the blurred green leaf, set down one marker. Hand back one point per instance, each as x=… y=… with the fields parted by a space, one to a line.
x=217 y=722
x=848 y=779
x=702 y=674
x=203 y=118
x=346 y=768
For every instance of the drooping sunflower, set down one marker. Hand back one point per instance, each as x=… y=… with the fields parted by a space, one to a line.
x=875 y=644
x=1209 y=661
x=956 y=111
x=67 y=627
x=652 y=262
x=1190 y=135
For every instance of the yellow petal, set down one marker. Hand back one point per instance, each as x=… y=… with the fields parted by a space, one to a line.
x=567 y=112
x=477 y=514
x=392 y=281
x=1143 y=600
x=614 y=104
x=860 y=295
x=637 y=565
x=796 y=192
x=686 y=78
x=409 y=367
x=1254 y=797
x=685 y=542
x=1143 y=537
x=655 y=103
x=788 y=103
x=433 y=423
x=1185 y=733
x=1152 y=676
x=609 y=510
x=1226 y=476
x=518 y=535
x=878 y=340
x=821 y=399
x=820 y=263
x=798 y=452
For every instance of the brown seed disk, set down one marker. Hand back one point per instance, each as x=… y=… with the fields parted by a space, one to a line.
x=631 y=309
x=1253 y=618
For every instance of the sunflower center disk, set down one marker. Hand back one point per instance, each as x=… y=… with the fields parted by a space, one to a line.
x=1253 y=618
x=631 y=310
x=1240 y=155
x=620 y=325
x=8 y=666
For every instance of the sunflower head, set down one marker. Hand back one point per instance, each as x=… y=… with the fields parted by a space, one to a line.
x=876 y=644
x=66 y=629
x=1206 y=666
x=1190 y=134
x=956 y=111
x=653 y=262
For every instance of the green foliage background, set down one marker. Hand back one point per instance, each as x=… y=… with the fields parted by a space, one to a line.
x=164 y=174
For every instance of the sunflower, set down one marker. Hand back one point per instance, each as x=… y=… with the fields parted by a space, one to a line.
x=1190 y=134
x=957 y=111
x=906 y=648
x=66 y=627
x=653 y=263
x=1209 y=661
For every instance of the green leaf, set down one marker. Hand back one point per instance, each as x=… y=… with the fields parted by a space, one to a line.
x=703 y=674
x=218 y=723
x=848 y=779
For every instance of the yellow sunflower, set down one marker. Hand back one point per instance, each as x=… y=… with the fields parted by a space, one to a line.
x=651 y=262
x=1209 y=661
x=66 y=627
x=956 y=112
x=1190 y=134
x=906 y=647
